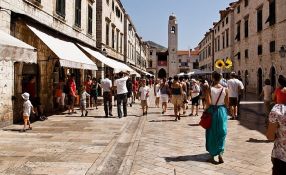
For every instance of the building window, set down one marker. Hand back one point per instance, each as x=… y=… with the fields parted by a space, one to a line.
x=272 y=46
x=107 y=2
x=121 y=43
x=117 y=40
x=150 y=63
x=238 y=9
x=173 y=29
x=227 y=37
x=237 y=37
x=180 y=60
x=246 y=53
x=246 y=28
x=113 y=38
x=117 y=12
x=112 y=5
x=218 y=43
x=245 y=3
x=78 y=13
x=259 y=20
x=89 y=17
x=107 y=34
x=223 y=40
x=226 y=20
x=259 y=50
x=151 y=52
x=215 y=47
x=272 y=13
x=238 y=55
x=61 y=8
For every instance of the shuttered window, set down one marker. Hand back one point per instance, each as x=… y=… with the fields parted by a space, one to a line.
x=61 y=8
x=78 y=13
x=89 y=24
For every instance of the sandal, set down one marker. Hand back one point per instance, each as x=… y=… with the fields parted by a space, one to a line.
x=220 y=159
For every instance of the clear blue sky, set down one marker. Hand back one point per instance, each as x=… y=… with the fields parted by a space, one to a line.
x=195 y=17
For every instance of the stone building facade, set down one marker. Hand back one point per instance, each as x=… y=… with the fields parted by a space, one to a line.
x=262 y=34
x=206 y=51
x=15 y=16
x=256 y=38
x=68 y=21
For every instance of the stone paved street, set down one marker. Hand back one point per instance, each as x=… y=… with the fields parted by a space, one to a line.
x=168 y=147
x=152 y=145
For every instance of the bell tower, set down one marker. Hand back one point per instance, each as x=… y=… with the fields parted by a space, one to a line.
x=172 y=45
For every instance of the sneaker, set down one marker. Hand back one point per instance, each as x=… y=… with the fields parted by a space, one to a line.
x=191 y=114
x=86 y=113
x=81 y=115
x=110 y=115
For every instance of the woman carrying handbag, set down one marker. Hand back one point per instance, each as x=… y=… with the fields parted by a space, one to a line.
x=216 y=102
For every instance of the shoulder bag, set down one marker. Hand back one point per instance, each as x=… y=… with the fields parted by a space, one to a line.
x=206 y=118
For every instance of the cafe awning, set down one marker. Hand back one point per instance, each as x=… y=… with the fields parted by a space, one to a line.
x=142 y=71
x=116 y=65
x=13 y=49
x=69 y=54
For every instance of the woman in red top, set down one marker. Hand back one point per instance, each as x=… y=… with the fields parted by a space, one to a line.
x=280 y=92
x=135 y=88
x=72 y=93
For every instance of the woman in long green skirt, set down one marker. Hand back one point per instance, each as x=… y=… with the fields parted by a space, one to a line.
x=217 y=100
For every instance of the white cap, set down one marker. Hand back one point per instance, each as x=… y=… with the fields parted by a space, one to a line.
x=26 y=96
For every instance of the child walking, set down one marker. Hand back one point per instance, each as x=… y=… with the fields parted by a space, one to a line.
x=27 y=108
x=83 y=97
x=144 y=91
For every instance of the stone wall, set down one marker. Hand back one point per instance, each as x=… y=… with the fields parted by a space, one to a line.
x=6 y=92
x=266 y=60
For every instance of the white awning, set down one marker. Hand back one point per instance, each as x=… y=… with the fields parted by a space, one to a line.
x=142 y=71
x=69 y=54
x=13 y=49
x=116 y=65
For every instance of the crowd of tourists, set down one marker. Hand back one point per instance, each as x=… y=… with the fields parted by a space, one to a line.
x=218 y=96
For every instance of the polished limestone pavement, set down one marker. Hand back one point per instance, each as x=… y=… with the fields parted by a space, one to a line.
x=169 y=147
x=139 y=145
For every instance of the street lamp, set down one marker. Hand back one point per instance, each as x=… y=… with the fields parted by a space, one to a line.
x=282 y=51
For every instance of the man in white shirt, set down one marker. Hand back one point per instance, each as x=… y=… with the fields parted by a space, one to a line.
x=121 y=94
x=234 y=88
x=106 y=85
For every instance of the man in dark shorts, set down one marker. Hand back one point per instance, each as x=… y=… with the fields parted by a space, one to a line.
x=195 y=94
x=234 y=86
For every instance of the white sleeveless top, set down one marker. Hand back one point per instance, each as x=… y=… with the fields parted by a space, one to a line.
x=214 y=95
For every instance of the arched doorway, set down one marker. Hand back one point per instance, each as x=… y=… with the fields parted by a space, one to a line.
x=272 y=76
x=162 y=73
x=259 y=81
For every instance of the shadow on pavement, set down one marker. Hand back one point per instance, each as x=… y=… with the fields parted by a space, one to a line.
x=13 y=130
x=198 y=158
x=162 y=121
x=194 y=124
x=252 y=116
x=252 y=140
